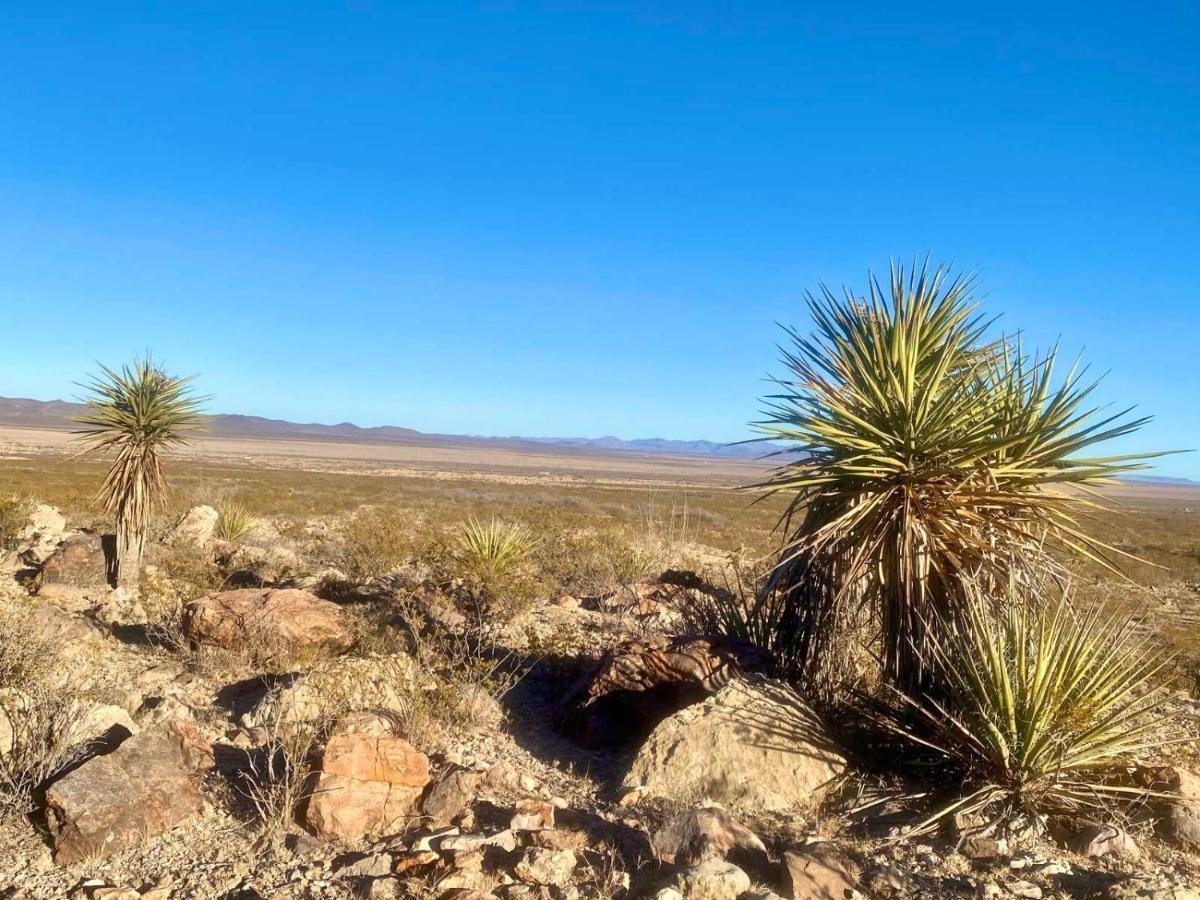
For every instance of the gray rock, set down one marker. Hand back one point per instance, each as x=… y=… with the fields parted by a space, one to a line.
x=753 y=745
x=713 y=880
x=700 y=835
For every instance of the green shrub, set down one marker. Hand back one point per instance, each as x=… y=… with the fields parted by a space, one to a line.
x=1042 y=703
x=492 y=563
x=234 y=522
x=923 y=450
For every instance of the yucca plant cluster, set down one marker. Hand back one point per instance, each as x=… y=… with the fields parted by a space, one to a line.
x=1039 y=704
x=136 y=414
x=920 y=453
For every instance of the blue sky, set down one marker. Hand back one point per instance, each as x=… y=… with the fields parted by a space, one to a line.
x=570 y=219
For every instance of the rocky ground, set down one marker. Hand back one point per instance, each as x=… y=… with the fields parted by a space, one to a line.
x=593 y=752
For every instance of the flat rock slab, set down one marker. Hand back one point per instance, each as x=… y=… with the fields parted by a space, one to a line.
x=147 y=785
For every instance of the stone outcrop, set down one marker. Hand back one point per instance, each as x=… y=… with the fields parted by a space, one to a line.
x=283 y=623
x=368 y=782
x=42 y=535
x=639 y=683
x=147 y=785
x=752 y=745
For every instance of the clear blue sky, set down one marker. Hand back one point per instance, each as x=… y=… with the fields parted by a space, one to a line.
x=501 y=218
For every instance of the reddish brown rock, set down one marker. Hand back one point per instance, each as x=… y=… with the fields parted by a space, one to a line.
x=287 y=622
x=367 y=784
x=146 y=786
x=81 y=561
x=699 y=835
x=639 y=683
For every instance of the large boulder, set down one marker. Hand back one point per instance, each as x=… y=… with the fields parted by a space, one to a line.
x=81 y=561
x=752 y=745
x=147 y=785
x=637 y=684
x=368 y=782
x=276 y=623
x=195 y=527
x=42 y=535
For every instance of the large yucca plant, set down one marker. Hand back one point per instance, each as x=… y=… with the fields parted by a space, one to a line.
x=920 y=449
x=1038 y=703
x=136 y=413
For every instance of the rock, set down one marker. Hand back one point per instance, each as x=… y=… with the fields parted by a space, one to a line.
x=474 y=843
x=552 y=868
x=1178 y=816
x=713 y=880
x=532 y=815
x=82 y=561
x=279 y=623
x=450 y=797
x=147 y=785
x=367 y=783
x=699 y=835
x=118 y=607
x=72 y=633
x=195 y=527
x=639 y=683
x=753 y=745
x=373 y=865
x=366 y=683
x=1095 y=840
x=42 y=535
x=820 y=871
x=980 y=847
x=1150 y=887
x=1025 y=889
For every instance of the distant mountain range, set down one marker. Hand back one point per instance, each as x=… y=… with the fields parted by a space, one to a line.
x=57 y=414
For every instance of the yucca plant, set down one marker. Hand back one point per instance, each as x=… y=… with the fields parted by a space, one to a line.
x=136 y=413
x=1037 y=706
x=234 y=522
x=919 y=449
x=492 y=561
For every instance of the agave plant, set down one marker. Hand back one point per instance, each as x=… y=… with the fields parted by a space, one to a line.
x=919 y=449
x=1040 y=703
x=136 y=413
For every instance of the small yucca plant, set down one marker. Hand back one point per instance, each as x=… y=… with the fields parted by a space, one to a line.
x=1038 y=704
x=136 y=413
x=487 y=552
x=234 y=522
x=920 y=450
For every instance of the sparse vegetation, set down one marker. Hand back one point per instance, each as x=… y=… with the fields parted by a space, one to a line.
x=136 y=413
x=491 y=560
x=376 y=542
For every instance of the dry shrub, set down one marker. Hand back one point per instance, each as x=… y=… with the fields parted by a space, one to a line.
x=277 y=779
x=39 y=704
x=184 y=572
x=16 y=511
x=376 y=542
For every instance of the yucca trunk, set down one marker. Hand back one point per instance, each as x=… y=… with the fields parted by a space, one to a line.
x=131 y=541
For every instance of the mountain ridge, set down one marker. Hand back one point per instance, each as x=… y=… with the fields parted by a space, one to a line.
x=57 y=414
